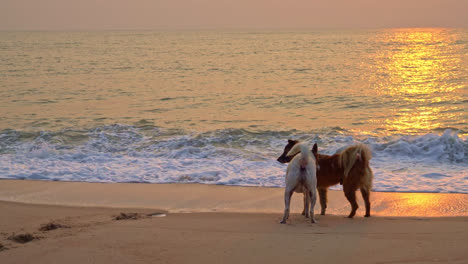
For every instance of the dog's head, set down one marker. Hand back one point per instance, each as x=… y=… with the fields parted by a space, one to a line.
x=284 y=158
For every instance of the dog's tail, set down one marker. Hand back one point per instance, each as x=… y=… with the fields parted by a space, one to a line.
x=306 y=154
x=357 y=154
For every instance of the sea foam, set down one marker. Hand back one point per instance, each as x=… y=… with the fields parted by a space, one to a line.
x=121 y=153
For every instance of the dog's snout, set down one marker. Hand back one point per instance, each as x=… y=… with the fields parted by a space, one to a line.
x=282 y=159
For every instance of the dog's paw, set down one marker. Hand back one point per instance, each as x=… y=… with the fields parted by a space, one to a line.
x=367 y=215
x=313 y=221
x=282 y=222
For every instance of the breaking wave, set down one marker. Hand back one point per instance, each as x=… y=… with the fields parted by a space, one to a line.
x=145 y=153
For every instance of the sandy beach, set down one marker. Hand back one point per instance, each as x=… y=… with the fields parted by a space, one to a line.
x=193 y=223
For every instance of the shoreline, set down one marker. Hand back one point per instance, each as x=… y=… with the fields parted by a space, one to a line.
x=197 y=183
x=194 y=198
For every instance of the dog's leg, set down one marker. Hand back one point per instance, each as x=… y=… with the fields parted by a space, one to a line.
x=323 y=199
x=365 y=195
x=313 y=200
x=287 y=201
x=306 y=205
x=350 y=194
x=305 y=208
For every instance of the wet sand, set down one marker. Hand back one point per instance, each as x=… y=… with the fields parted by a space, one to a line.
x=225 y=225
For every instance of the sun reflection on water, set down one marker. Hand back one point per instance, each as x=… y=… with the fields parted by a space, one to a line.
x=415 y=71
x=425 y=204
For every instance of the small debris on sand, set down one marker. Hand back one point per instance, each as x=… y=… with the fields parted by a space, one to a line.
x=156 y=215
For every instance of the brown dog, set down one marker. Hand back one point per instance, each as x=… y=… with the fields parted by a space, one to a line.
x=349 y=167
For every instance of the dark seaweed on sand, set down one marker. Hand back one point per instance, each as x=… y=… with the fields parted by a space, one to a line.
x=22 y=238
x=2 y=247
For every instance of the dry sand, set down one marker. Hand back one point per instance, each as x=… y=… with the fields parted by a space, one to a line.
x=225 y=225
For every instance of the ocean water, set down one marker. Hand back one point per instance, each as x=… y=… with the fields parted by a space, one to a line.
x=217 y=107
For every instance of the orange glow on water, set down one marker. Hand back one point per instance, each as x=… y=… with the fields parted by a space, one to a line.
x=415 y=71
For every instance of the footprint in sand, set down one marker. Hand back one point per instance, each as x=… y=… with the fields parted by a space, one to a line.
x=135 y=216
x=52 y=226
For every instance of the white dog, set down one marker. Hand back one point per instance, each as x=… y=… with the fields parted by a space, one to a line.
x=301 y=177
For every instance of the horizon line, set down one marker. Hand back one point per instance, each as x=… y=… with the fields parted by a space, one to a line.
x=227 y=29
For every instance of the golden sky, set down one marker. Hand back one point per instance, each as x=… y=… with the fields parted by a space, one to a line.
x=229 y=14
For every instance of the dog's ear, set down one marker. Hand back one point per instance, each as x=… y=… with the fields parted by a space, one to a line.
x=315 y=149
x=291 y=141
